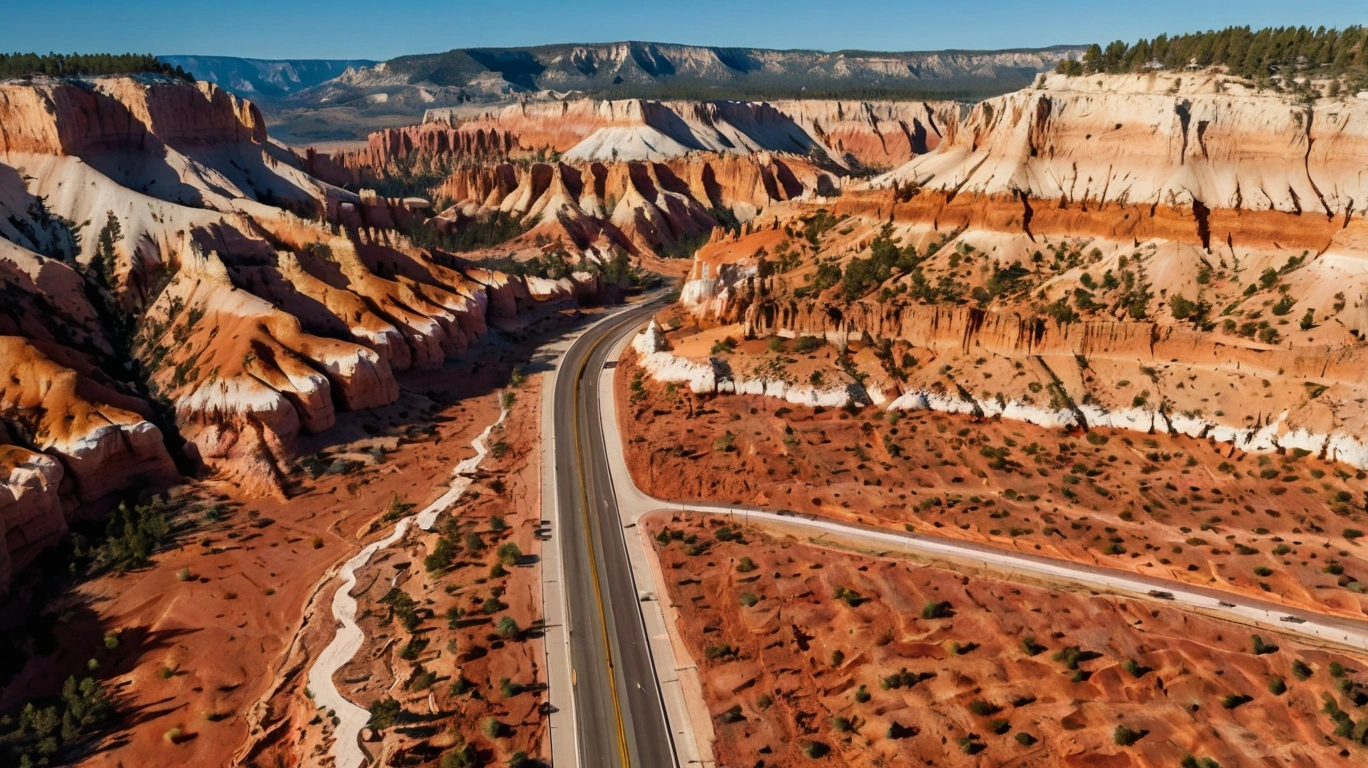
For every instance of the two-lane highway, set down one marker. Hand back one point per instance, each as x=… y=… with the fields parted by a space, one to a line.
x=620 y=718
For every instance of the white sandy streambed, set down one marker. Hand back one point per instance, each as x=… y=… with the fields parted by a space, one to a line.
x=349 y=637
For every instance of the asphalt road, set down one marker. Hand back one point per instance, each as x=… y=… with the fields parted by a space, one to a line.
x=621 y=717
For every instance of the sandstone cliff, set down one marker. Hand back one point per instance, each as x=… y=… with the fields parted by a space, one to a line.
x=179 y=295
x=1142 y=251
x=844 y=133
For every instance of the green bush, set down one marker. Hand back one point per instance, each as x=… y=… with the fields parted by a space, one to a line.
x=508 y=628
x=385 y=713
x=937 y=610
x=1124 y=737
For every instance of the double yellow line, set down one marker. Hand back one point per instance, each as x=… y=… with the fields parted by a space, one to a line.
x=593 y=561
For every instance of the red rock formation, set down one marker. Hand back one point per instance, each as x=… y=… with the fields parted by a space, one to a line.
x=1196 y=236
x=98 y=433
x=31 y=516
x=55 y=117
x=196 y=283
x=873 y=134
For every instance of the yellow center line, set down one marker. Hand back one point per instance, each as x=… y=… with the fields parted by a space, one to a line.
x=593 y=562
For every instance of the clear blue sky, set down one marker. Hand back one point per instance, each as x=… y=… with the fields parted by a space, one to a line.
x=380 y=29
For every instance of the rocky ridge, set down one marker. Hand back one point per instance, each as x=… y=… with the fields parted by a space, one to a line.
x=1147 y=252
x=182 y=297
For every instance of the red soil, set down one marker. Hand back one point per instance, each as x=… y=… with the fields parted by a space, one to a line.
x=796 y=659
x=1170 y=507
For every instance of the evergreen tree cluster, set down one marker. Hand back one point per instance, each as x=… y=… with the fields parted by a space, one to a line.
x=14 y=65
x=133 y=534
x=41 y=733
x=1257 y=54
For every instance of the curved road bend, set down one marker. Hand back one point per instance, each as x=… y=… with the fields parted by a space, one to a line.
x=620 y=715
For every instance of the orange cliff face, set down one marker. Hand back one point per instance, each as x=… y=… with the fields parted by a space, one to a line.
x=848 y=133
x=643 y=207
x=163 y=297
x=642 y=176
x=121 y=114
x=1191 y=234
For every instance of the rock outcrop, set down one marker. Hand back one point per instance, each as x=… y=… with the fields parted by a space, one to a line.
x=843 y=133
x=1141 y=251
x=178 y=295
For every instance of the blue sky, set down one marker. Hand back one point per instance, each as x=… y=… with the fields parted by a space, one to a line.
x=378 y=29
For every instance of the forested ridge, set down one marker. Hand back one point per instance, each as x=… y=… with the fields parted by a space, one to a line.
x=1261 y=55
x=13 y=65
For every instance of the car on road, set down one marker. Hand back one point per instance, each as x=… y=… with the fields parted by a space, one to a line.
x=1160 y=594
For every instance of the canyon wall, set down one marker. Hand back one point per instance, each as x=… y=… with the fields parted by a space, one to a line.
x=1149 y=251
x=181 y=297
x=845 y=133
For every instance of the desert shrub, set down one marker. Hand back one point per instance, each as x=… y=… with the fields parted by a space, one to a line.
x=403 y=607
x=904 y=679
x=1025 y=739
x=1070 y=656
x=937 y=610
x=491 y=727
x=1277 y=687
x=851 y=597
x=1301 y=670
x=509 y=554
x=1030 y=647
x=746 y=565
x=421 y=679
x=721 y=651
x=508 y=628
x=749 y=599
x=461 y=757
x=415 y=646
x=441 y=556
x=983 y=708
x=1124 y=736
x=385 y=713
x=1261 y=647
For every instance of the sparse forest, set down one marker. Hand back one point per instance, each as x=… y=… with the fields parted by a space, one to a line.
x=13 y=65
x=1258 y=54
